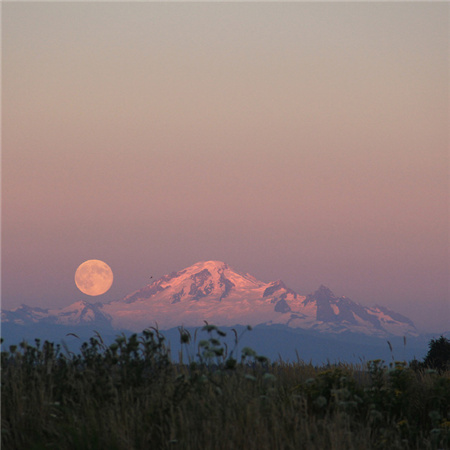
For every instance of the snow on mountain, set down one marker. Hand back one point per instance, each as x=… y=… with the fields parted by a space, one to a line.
x=78 y=313
x=210 y=291
x=339 y=314
x=24 y=315
x=213 y=291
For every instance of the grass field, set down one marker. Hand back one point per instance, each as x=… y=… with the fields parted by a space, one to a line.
x=130 y=395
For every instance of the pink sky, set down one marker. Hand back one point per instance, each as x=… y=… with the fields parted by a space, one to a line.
x=302 y=141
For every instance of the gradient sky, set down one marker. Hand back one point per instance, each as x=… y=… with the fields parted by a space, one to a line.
x=301 y=141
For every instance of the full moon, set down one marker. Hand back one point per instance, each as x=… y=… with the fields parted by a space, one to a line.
x=93 y=277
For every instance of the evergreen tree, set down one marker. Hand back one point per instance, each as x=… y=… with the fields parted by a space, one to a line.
x=438 y=356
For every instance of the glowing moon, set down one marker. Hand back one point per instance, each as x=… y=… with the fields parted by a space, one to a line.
x=93 y=277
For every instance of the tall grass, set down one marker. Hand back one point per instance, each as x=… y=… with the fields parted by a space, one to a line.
x=130 y=395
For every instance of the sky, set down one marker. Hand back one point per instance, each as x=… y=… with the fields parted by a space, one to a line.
x=307 y=142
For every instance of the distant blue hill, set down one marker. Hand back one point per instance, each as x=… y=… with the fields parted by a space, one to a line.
x=273 y=341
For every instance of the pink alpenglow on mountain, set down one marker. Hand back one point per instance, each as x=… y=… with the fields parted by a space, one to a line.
x=210 y=291
x=78 y=313
x=213 y=291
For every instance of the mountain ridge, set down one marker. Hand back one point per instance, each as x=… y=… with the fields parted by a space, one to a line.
x=215 y=292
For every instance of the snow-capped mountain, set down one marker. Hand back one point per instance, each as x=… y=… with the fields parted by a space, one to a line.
x=25 y=315
x=78 y=313
x=210 y=291
x=340 y=314
x=213 y=291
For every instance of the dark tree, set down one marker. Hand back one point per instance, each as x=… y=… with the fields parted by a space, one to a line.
x=438 y=356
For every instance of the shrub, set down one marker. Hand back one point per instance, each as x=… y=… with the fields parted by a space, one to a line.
x=131 y=395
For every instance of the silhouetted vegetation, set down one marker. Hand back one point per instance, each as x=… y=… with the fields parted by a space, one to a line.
x=130 y=395
x=438 y=356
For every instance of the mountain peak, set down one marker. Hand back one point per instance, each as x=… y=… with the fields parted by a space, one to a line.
x=210 y=265
x=213 y=291
x=324 y=293
x=204 y=281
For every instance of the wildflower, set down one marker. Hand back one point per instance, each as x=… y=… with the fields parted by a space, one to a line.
x=269 y=376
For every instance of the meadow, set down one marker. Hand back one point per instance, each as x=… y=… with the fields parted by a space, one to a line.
x=131 y=395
